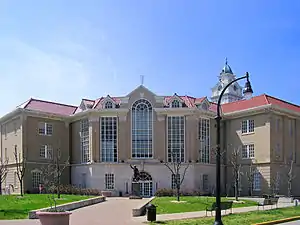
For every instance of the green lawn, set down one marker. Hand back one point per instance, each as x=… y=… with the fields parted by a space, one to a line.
x=242 y=218
x=190 y=204
x=16 y=207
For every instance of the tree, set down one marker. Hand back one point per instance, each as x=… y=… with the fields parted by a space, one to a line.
x=3 y=171
x=53 y=172
x=275 y=183
x=175 y=167
x=20 y=160
x=290 y=177
x=250 y=177
x=236 y=169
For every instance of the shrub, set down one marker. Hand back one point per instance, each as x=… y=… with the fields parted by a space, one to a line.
x=168 y=192
x=71 y=189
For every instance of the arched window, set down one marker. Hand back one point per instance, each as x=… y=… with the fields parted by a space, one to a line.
x=108 y=105
x=175 y=104
x=141 y=125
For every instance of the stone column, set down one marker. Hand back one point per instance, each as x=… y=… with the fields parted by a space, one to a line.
x=124 y=131
x=160 y=138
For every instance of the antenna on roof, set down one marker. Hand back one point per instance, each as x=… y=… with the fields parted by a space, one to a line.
x=142 y=79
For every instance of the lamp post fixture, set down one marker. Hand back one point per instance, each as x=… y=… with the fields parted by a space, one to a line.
x=247 y=91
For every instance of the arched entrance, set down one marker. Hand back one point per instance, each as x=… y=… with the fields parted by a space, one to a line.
x=146 y=184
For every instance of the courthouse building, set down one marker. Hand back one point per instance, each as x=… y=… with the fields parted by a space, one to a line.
x=103 y=136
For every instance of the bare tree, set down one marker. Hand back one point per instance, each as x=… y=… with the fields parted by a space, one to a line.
x=20 y=160
x=290 y=177
x=55 y=170
x=236 y=169
x=3 y=171
x=250 y=177
x=275 y=183
x=175 y=167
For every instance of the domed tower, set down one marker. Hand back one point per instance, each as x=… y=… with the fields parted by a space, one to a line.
x=233 y=92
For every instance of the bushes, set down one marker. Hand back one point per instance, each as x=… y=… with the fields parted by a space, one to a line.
x=69 y=189
x=168 y=192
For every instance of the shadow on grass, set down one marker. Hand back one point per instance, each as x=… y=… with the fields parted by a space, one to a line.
x=159 y=222
x=13 y=211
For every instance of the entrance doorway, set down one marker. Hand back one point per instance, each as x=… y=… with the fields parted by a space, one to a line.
x=146 y=184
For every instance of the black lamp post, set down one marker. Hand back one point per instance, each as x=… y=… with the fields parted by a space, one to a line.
x=246 y=91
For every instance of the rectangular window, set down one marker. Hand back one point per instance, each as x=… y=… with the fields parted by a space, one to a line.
x=45 y=129
x=109 y=181
x=46 y=152
x=205 y=182
x=247 y=126
x=248 y=151
x=36 y=179
x=204 y=138
x=109 y=132
x=175 y=181
x=257 y=181
x=84 y=141
x=176 y=143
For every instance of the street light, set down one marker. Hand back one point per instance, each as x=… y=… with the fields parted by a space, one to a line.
x=247 y=91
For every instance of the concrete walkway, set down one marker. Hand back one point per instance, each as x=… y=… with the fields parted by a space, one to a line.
x=190 y=215
x=114 y=211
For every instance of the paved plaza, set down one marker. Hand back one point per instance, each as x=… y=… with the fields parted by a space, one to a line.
x=114 y=211
x=117 y=211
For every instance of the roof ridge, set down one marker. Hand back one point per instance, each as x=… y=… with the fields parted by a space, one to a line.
x=290 y=103
x=51 y=102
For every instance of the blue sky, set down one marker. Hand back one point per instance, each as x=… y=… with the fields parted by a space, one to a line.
x=63 y=50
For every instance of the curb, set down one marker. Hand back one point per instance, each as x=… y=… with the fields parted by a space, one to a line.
x=279 y=221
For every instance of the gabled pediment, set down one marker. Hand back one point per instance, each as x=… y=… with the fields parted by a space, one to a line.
x=175 y=101
x=141 y=89
x=108 y=102
x=204 y=104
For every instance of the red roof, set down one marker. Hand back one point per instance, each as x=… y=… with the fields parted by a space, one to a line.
x=256 y=101
x=50 y=107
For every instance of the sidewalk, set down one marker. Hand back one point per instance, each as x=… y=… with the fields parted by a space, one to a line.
x=191 y=215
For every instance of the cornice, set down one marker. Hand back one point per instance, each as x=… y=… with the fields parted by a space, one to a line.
x=247 y=112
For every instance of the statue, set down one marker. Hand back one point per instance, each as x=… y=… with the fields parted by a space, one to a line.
x=136 y=173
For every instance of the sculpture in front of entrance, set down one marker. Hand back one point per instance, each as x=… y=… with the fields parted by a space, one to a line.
x=136 y=173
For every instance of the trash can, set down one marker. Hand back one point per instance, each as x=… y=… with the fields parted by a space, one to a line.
x=151 y=213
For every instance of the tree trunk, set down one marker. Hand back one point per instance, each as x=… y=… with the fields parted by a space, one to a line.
x=236 y=189
x=58 y=186
x=289 y=189
x=178 y=193
x=21 y=188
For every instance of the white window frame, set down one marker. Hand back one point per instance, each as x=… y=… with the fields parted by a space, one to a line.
x=146 y=151
x=248 y=126
x=36 y=177
x=172 y=143
x=85 y=141
x=173 y=180
x=45 y=128
x=248 y=151
x=109 y=181
x=111 y=151
x=108 y=105
x=204 y=140
x=257 y=181
x=175 y=104
x=46 y=152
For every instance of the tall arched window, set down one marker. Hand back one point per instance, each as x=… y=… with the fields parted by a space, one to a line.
x=141 y=125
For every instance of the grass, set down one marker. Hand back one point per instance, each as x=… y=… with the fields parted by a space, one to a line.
x=241 y=218
x=191 y=204
x=16 y=207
